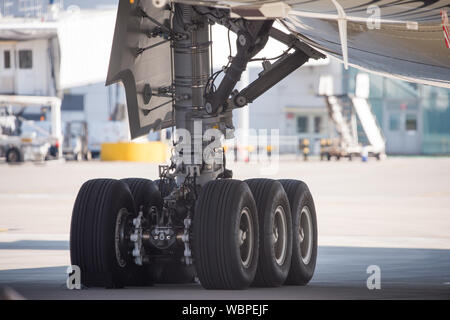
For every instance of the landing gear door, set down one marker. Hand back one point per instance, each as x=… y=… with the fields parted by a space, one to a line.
x=141 y=59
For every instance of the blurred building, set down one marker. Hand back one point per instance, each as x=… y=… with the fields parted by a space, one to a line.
x=40 y=8
x=415 y=119
x=294 y=107
x=45 y=51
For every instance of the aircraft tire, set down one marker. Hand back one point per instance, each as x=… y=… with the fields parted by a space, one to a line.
x=145 y=193
x=176 y=273
x=304 y=222
x=101 y=205
x=225 y=235
x=275 y=232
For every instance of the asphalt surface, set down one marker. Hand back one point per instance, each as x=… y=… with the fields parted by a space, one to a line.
x=392 y=214
x=340 y=274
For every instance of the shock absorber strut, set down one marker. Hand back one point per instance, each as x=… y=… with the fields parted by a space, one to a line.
x=192 y=69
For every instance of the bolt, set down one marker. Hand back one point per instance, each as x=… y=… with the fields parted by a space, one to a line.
x=159 y=3
x=242 y=40
x=208 y=107
x=241 y=101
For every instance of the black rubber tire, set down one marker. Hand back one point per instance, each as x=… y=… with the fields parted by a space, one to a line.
x=216 y=224
x=145 y=193
x=299 y=196
x=268 y=195
x=176 y=273
x=92 y=233
x=14 y=155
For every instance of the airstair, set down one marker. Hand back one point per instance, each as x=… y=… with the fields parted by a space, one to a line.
x=345 y=111
x=343 y=119
x=369 y=125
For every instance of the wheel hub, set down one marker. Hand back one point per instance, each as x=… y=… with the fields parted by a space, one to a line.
x=122 y=240
x=279 y=235
x=305 y=235
x=246 y=237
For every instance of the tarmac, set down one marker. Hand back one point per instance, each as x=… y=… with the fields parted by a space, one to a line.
x=393 y=214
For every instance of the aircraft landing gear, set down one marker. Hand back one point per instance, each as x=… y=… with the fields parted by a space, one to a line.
x=197 y=220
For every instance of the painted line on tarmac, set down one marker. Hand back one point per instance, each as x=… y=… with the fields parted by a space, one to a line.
x=385 y=242
x=37 y=196
x=12 y=237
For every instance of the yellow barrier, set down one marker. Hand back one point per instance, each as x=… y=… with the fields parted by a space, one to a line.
x=135 y=152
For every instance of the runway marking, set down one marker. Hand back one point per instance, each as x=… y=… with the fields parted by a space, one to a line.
x=36 y=196
x=385 y=242
x=12 y=237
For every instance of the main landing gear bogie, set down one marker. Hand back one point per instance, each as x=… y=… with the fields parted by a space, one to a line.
x=236 y=234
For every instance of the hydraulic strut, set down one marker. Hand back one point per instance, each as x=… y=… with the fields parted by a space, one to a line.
x=250 y=41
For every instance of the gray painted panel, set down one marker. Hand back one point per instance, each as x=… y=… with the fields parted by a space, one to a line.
x=152 y=67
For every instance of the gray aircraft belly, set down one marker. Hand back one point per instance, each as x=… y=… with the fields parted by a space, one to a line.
x=409 y=42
